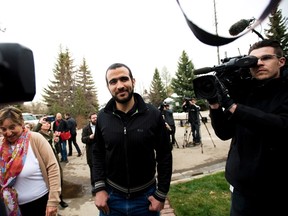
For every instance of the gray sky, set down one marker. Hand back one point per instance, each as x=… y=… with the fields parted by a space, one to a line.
x=144 y=34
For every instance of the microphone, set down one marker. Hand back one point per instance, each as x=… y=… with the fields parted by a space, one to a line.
x=240 y=26
x=203 y=70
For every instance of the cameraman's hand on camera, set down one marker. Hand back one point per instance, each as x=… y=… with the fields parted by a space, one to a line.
x=223 y=96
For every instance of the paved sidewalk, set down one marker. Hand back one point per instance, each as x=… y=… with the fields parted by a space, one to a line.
x=188 y=163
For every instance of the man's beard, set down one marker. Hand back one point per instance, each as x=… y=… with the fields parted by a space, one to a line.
x=125 y=100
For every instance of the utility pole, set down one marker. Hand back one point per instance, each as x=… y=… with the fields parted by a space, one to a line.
x=2 y=29
x=216 y=29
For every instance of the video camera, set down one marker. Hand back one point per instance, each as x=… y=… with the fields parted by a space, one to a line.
x=17 y=73
x=187 y=99
x=162 y=106
x=231 y=71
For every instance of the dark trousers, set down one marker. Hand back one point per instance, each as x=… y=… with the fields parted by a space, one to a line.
x=258 y=204
x=91 y=174
x=73 y=139
x=35 y=208
x=172 y=134
x=195 y=128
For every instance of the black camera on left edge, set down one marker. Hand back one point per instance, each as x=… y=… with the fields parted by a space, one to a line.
x=17 y=73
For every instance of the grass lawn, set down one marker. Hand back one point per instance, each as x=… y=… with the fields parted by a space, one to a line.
x=205 y=196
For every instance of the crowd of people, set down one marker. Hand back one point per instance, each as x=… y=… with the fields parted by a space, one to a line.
x=129 y=142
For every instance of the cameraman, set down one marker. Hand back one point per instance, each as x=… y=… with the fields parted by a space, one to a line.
x=257 y=126
x=169 y=119
x=193 y=110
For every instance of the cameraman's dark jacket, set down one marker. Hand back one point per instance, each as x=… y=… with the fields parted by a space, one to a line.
x=124 y=153
x=259 y=132
x=193 y=112
x=168 y=116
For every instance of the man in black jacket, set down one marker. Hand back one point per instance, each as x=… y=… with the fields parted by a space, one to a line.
x=132 y=143
x=193 y=110
x=257 y=124
x=72 y=125
x=88 y=138
x=169 y=119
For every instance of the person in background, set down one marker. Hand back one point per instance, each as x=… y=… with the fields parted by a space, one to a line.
x=257 y=124
x=87 y=138
x=30 y=174
x=72 y=125
x=60 y=125
x=168 y=117
x=44 y=128
x=193 y=110
x=29 y=126
x=132 y=143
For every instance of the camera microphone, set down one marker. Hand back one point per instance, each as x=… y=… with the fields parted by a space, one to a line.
x=240 y=26
x=203 y=70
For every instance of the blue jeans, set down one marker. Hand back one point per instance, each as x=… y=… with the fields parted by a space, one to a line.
x=63 y=150
x=120 y=205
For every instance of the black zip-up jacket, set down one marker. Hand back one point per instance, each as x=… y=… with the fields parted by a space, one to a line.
x=259 y=130
x=128 y=152
x=85 y=138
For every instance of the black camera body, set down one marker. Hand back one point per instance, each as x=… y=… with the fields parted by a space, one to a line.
x=17 y=73
x=187 y=101
x=229 y=73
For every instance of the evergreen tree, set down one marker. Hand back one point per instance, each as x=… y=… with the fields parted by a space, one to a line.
x=87 y=91
x=59 y=94
x=157 y=91
x=166 y=77
x=71 y=90
x=278 y=29
x=182 y=85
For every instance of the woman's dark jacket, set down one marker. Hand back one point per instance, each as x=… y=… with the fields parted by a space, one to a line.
x=259 y=131
x=126 y=154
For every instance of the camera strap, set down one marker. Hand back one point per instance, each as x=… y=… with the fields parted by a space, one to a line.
x=215 y=40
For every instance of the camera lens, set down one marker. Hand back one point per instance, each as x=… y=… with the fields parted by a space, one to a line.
x=204 y=87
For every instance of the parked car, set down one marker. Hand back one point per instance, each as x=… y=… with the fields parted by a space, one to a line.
x=38 y=116
x=30 y=118
x=50 y=118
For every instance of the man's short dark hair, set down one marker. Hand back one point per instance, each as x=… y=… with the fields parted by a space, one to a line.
x=118 y=65
x=92 y=113
x=268 y=43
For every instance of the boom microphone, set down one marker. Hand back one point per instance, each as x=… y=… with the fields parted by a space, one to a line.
x=203 y=70
x=240 y=26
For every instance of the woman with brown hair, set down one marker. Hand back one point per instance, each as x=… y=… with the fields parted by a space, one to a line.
x=27 y=161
